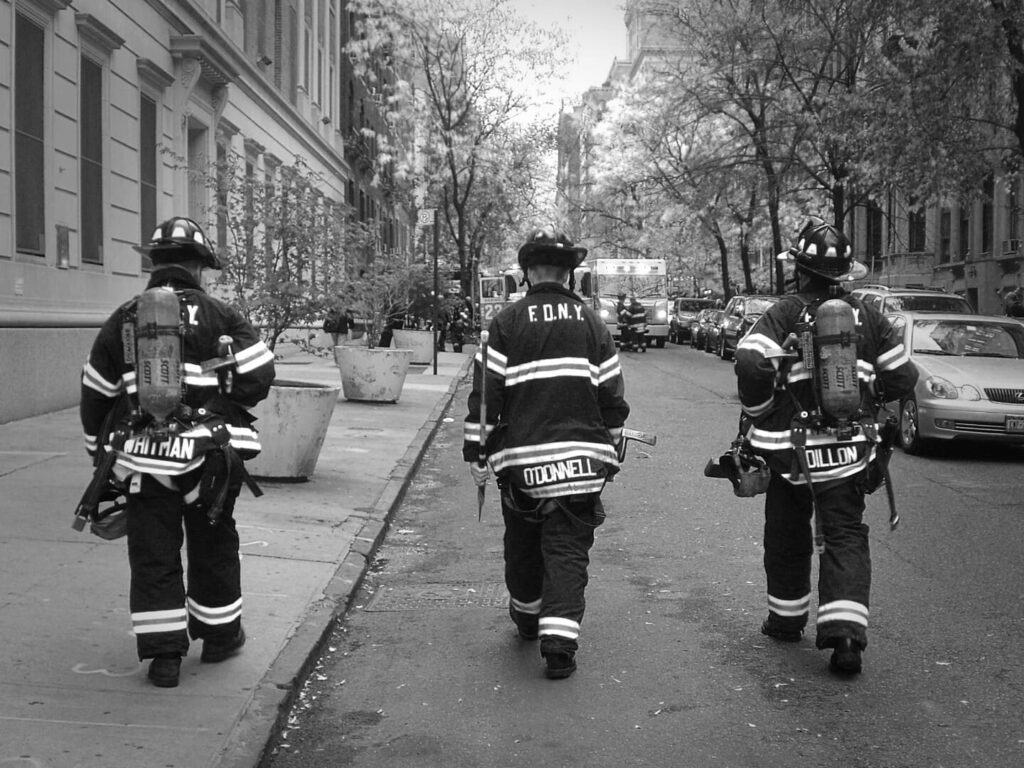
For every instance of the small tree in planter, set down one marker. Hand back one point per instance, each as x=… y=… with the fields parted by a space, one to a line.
x=379 y=288
x=284 y=247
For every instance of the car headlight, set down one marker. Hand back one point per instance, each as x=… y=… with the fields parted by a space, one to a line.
x=661 y=314
x=947 y=390
x=604 y=313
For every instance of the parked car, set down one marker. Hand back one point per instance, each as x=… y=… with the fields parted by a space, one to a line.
x=912 y=299
x=699 y=327
x=740 y=315
x=681 y=316
x=713 y=329
x=971 y=379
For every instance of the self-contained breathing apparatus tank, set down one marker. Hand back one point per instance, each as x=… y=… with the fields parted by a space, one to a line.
x=835 y=343
x=158 y=374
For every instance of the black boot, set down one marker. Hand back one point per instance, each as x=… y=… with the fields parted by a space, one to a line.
x=777 y=628
x=164 y=670
x=526 y=624
x=560 y=664
x=218 y=650
x=845 y=657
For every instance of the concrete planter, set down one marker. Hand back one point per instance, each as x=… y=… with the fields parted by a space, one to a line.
x=372 y=374
x=420 y=342
x=292 y=422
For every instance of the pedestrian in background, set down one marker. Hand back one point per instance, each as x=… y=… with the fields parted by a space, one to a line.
x=785 y=423
x=166 y=487
x=555 y=410
x=1014 y=304
x=337 y=324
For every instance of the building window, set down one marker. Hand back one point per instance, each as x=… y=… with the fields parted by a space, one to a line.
x=873 y=235
x=147 y=172
x=293 y=55
x=222 y=197
x=30 y=207
x=987 y=214
x=1013 y=212
x=945 y=235
x=917 y=230
x=91 y=137
x=965 y=232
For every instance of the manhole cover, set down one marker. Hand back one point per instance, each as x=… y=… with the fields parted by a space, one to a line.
x=413 y=597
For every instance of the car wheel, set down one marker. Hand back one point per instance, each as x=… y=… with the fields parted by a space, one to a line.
x=910 y=430
x=660 y=342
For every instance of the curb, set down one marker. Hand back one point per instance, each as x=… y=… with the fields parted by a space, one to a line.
x=276 y=693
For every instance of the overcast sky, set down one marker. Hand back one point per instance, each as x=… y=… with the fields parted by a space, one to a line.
x=596 y=31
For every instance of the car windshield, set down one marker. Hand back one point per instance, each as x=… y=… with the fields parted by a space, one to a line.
x=970 y=338
x=633 y=285
x=692 y=305
x=927 y=303
x=759 y=306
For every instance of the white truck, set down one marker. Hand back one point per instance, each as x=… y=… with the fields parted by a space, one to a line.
x=601 y=281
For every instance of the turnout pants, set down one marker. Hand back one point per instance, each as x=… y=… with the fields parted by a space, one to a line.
x=546 y=559
x=844 y=578
x=164 y=613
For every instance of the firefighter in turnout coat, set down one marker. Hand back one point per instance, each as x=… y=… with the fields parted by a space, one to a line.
x=555 y=412
x=187 y=472
x=822 y=464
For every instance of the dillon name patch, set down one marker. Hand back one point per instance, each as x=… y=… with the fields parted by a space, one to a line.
x=176 y=448
x=833 y=456
x=558 y=471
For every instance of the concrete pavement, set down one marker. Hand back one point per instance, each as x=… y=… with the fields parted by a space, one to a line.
x=72 y=692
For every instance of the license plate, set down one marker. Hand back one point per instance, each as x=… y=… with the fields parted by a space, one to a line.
x=1015 y=424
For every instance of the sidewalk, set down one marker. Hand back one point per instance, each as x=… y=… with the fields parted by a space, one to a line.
x=72 y=692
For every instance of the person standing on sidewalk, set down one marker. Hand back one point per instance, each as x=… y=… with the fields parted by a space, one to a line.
x=185 y=469
x=823 y=459
x=555 y=411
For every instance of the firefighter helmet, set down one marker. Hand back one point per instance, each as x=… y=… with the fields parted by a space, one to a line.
x=180 y=239
x=823 y=250
x=110 y=522
x=549 y=246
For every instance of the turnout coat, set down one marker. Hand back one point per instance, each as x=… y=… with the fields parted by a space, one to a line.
x=774 y=390
x=555 y=396
x=109 y=383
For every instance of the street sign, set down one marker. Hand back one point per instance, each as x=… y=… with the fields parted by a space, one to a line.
x=425 y=217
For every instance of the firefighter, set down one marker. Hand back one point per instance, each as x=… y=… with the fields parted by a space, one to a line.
x=823 y=453
x=180 y=466
x=637 y=325
x=622 y=321
x=555 y=410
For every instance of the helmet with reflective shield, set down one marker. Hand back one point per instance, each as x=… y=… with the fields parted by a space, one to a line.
x=180 y=239
x=549 y=246
x=823 y=250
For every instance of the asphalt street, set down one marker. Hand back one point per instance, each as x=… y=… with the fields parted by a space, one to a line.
x=425 y=668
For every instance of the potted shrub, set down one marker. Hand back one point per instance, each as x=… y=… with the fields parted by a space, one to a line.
x=377 y=291
x=282 y=246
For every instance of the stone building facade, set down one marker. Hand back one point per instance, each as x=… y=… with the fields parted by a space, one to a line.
x=108 y=110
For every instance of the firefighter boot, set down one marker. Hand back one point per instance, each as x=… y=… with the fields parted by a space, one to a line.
x=526 y=624
x=560 y=664
x=214 y=651
x=787 y=630
x=845 y=657
x=164 y=670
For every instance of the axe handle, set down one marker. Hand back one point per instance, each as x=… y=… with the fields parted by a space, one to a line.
x=484 y=338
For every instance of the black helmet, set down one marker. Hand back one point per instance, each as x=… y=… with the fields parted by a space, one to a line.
x=548 y=246
x=823 y=250
x=180 y=239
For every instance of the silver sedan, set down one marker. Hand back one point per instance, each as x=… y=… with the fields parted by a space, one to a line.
x=971 y=379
